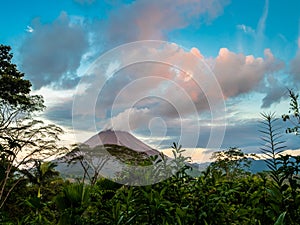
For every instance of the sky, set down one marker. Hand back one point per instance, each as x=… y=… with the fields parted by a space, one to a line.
x=197 y=72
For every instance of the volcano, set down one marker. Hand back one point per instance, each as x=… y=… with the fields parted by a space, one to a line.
x=120 y=138
x=111 y=148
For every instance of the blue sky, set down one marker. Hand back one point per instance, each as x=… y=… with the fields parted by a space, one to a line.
x=252 y=48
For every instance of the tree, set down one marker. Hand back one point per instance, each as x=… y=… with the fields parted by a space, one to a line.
x=22 y=138
x=92 y=160
x=14 y=90
x=40 y=176
x=41 y=173
x=293 y=115
x=232 y=161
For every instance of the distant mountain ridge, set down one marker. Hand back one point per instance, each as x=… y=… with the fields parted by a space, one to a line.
x=257 y=165
x=123 y=146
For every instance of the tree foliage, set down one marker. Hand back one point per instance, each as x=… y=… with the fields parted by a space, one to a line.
x=233 y=162
x=14 y=90
x=22 y=138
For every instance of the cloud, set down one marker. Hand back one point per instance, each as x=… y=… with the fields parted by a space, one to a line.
x=243 y=134
x=178 y=84
x=262 y=21
x=55 y=97
x=239 y=74
x=246 y=29
x=295 y=64
x=130 y=119
x=140 y=20
x=154 y=79
x=52 y=53
x=29 y=29
x=140 y=92
x=275 y=92
x=258 y=33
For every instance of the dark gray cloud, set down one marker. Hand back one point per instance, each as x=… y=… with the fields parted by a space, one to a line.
x=61 y=114
x=52 y=52
x=242 y=134
x=245 y=134
x=295 y=65
x=275 y=92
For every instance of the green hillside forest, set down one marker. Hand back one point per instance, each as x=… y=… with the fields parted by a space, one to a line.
x=33 y=192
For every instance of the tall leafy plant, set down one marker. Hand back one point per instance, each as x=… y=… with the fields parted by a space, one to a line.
x=273 y=145
x=283 y=196
x=72 y=202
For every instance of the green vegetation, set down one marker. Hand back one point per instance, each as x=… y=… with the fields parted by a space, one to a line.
x=32 y=192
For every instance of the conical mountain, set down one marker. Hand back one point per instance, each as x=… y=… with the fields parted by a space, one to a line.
x=120 y=138
x=108 y=153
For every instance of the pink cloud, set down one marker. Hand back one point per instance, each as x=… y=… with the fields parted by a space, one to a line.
x=146 y=19
x=238 y=74
x=196 y=52
x=178 y=82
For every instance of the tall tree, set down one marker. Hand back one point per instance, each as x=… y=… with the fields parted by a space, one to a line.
x=22 y=138
x=232 y=162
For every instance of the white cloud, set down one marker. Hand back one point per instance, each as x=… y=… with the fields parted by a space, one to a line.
x=129 y=120
x=262 y=21
x=197 y=155
x=246 y=29
x=29 y=29
x=258 y=33
x=54 y=97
